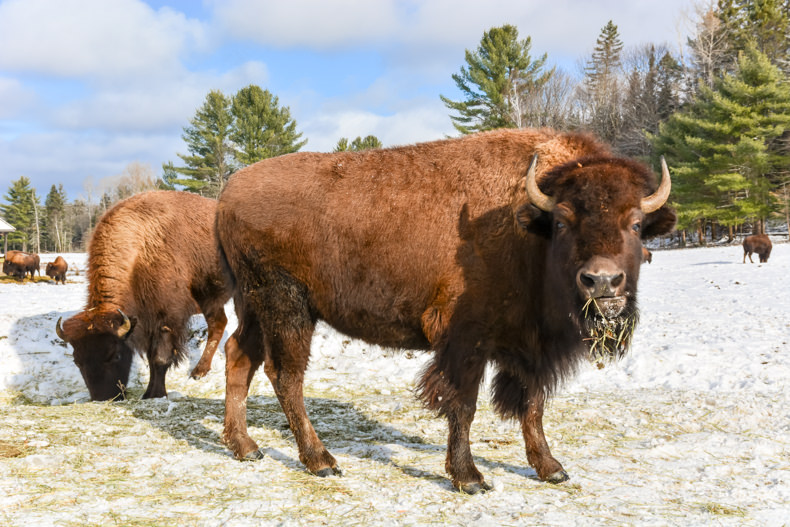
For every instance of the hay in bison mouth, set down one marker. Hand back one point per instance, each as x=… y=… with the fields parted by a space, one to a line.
x=608 y=324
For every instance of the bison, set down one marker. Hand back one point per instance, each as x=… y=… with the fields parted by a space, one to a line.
x=152 y=263
x=57 y=270
x=18 y=264
x=647 y=256
x=519 y=248
x=759 y=244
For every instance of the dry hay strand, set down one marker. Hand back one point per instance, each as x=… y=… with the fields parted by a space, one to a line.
x=609 y=338
x=9 y=449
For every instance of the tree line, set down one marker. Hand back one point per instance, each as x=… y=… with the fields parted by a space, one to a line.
x=718 y=110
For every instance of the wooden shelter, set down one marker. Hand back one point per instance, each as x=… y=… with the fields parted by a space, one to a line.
x=5 y=228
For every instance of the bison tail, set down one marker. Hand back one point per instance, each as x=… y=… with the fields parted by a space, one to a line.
x=223 y=260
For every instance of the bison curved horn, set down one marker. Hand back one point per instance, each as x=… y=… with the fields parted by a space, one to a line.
x=59 y=330
x=657 y=199
x=125 y=327
x=535 y=195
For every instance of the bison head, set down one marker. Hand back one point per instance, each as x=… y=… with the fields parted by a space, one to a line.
x=101 y=351
x=595 y=212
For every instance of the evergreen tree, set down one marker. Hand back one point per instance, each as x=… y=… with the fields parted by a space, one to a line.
x=20 y=213
x=209 y=163
x=764 y=24
x=724 y=146
x=358 y=144
x=261 y=128
x=495 y=80
x=602 y=85
x=56 y=230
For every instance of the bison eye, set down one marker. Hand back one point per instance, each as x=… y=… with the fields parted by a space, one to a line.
x=559 y=225
x=637 y=227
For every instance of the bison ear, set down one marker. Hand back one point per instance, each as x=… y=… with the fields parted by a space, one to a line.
x=659 y=222
x=533 y=220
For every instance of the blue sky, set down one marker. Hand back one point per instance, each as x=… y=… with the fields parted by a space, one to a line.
x=89 y=86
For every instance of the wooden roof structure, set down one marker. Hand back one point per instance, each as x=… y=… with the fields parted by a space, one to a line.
x=5 y=228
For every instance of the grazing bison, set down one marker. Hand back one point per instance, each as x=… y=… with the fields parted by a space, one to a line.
x=462 y=247
x=18 y=264
x=57 y=270
x=152 y=263
x=647 y=256
x=759 y=244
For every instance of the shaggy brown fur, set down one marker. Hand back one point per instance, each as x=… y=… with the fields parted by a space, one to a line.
x=152 y=257
x=432 y=246
x=759 y=244
x=18 y=264
x=57 y=270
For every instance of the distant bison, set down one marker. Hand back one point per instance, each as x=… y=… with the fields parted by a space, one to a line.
x=515 y=248
x=18 y=264
x=57 y=270
x=647 y=256
x=152 y=264
x=759 y=244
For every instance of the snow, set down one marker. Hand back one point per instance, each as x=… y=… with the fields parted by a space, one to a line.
x=692 y=427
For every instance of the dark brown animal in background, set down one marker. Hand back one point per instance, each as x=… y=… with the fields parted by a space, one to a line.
x=759 y=244
x=461 y=247
x=152 y=264
x=647 y=256
x=19 y=263
x=57 y=270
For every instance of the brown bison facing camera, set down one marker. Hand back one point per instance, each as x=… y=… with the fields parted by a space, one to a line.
x=462 y=247
x=759 y=244
x=19 y=264
x=57 y=270
x=152 y=264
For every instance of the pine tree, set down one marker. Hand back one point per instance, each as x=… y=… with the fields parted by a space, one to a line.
x=209 y=163
x=764 y=24
x=261 y=128
x=20 y=213
x=56 y=231
x=358 y=144
x=724 y=147
x=602 y=85
x=495 y=80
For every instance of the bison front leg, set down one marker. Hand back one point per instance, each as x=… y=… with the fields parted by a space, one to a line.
x=457 y=400
x=538 y=453
x=216 y=321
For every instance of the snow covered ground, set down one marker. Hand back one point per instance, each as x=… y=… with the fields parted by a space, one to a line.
x=692 y=428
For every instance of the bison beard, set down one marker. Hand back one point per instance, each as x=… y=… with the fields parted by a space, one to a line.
x=609 y=336
x=462 y=247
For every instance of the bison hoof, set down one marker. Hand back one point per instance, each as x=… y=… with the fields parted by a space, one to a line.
x=196 y=375
x=255 y=455
x=474 y=488
x=557 y=477
x=326 y=472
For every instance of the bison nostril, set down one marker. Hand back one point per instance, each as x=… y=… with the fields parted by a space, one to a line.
x=587 y=280
x=617 y=280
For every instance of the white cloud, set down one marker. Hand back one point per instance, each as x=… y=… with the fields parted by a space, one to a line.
x=167 y=105
x=94 y=38
x=425 y=34
x=419 y=121
x=71 y=157
x=14 y=99
x=312 y=23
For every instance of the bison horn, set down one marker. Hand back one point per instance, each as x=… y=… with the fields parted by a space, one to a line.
x=125 y=327
x=59 y=330
x=535 y=195
x=657 y=199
